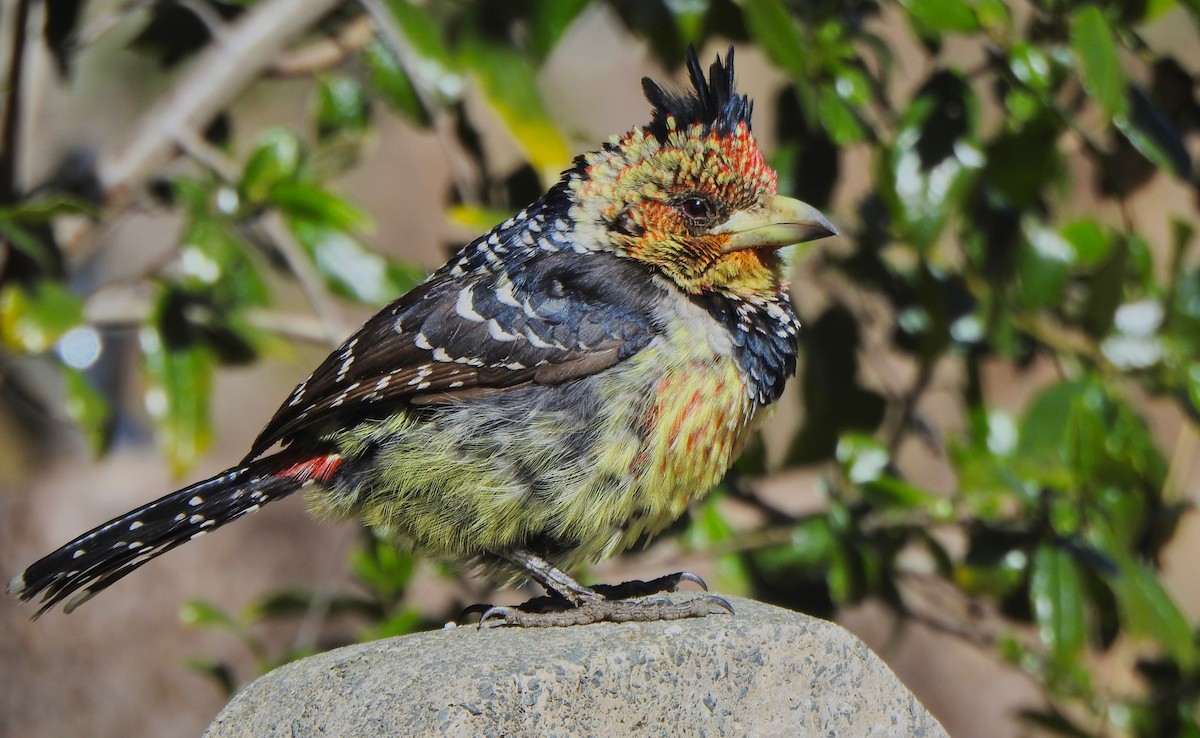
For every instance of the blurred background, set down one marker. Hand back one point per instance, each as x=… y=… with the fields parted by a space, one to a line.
x=985 y=467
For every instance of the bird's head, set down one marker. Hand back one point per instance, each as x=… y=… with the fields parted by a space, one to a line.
x=691 y=194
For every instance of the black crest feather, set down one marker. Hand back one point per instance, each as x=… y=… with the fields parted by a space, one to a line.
x=712 y=101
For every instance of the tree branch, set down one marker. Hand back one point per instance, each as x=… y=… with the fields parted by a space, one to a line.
x=10 y=123
x=393 y=38
x=215 y=77
x=324 y=53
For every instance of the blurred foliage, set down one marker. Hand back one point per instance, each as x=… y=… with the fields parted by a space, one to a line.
x=968 y=234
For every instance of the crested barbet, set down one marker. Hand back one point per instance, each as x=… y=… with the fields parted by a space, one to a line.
x=563 y=388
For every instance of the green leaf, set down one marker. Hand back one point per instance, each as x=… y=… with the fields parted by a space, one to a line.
x=407 y=621
x=929 y=169
x=1108 y=444
x=87 y=407
x=1031 y=66
x=350 y=268
x=1193 y=386
x=32 y=320
x=1090 y=242
x=508 y=84
x=42 y=210
x=890 y=492
x=309 y=202
x=774 y=29
x=1042 y=445
x=386 y=571
x=689 y=16
x=1154 y=134
x=341 y=107
x=1095 y=47
x=852 y=84
x=1147 y=610
x=999 y=580
x=203 y=614
x=392 y=83
x=179 y=383
x=276 y=159
x=838 y=117
x=932 y=17
x=1056 y=593
x=435 y=69
x=812 y=545
x=28 y=243
x=710 y=527
x=220 y=673
x=1043 y=267
x=995 y=16
x=864 y=457
x=215 y=261
x=285 y=603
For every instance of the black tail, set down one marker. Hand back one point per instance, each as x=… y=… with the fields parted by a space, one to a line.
x=103 y=555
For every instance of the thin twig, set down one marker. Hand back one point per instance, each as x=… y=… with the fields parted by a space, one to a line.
x=134 y=312
x=292 y=326
x=10 y=124
x=277 y=230
x=98 y=27
x=908 y=405
x=194 y=145
x=324 y=53
x=212 y=20
x=393 y=38
x=216 y=77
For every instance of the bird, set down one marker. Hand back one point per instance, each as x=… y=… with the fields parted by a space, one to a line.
x=564 y=387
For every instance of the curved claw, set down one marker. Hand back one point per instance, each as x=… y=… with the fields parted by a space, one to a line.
x=720 y=602
x=496 y=616
x=687 y=576
x=477 y=609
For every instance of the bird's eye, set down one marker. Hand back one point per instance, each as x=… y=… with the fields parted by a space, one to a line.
x=696 y=208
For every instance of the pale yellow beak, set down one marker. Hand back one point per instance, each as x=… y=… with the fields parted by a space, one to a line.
x=783 y=222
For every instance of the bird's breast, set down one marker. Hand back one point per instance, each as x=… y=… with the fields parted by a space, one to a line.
x=683 y=410
x=699 y=420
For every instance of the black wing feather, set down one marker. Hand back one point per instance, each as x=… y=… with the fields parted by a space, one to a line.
x=546 y=319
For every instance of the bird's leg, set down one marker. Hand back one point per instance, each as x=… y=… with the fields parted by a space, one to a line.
x=552 y=579
x=571 y=603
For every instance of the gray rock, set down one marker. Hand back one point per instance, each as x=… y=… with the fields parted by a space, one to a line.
x=763 y=672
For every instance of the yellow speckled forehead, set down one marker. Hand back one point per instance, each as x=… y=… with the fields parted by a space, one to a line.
x=729 y=168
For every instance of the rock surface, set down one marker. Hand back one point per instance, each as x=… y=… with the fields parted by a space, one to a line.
x=763 y=672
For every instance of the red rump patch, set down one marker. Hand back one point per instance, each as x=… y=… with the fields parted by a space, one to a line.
x=316 y=469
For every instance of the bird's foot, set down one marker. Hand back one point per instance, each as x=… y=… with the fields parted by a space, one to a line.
x=603 y=610
x=614 y=603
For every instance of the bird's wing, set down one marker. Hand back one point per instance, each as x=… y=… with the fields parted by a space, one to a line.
x=553 y=318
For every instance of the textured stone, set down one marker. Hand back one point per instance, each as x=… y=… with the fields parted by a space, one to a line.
x=763 y=672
